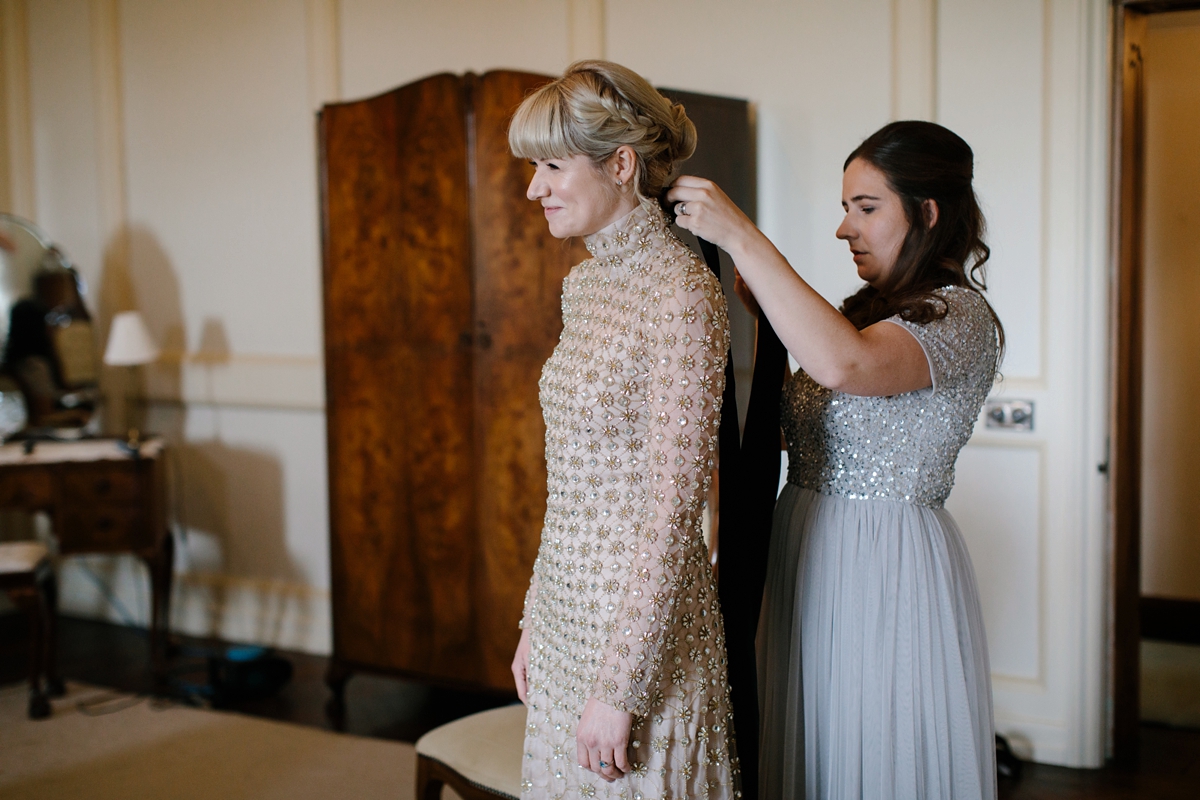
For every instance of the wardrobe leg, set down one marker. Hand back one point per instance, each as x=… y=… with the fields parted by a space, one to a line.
x=336 y=677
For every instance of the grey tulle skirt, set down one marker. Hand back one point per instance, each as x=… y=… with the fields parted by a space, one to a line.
x=873 y=667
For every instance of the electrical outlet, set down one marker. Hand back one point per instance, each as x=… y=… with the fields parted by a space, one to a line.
x=1013 y=415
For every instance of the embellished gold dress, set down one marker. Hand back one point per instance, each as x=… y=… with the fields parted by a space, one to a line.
x=623 y=606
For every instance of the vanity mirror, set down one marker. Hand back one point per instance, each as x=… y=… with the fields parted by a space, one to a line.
x=47 y=345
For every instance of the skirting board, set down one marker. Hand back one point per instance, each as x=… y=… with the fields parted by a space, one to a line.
x=1043 y=741
x=272 y=613
x=1171 y=619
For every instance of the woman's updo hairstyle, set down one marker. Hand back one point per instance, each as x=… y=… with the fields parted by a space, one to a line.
x=595 y=108
x=924 y=161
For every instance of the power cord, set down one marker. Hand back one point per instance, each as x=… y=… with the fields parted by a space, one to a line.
x=109 y=595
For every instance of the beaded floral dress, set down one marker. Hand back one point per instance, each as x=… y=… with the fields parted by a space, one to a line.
x=873 y=662
x=623 y=606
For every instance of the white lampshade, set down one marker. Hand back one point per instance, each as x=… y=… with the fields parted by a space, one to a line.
x=129 y=343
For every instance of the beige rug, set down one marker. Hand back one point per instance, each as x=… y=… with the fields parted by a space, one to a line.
x=148 y=750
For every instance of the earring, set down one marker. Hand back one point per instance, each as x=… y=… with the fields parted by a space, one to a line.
x=620 y=183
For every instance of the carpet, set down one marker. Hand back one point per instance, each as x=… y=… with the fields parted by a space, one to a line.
x=100 y=745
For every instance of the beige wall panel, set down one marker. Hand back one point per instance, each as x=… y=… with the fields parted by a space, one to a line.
x=991 y=91
x=386 y=44
x=16 y=138
x=1171 y=425
x=996 y=502
x=64 y=131
x=222 y=176
x=6 y=166
x=818 y=90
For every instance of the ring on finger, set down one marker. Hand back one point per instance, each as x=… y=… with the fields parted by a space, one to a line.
x=682 y=211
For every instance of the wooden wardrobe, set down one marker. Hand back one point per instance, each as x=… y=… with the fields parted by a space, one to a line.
x=442 y=291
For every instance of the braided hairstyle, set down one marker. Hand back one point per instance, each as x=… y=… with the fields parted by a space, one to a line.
x=595 y=108
x=925 y=161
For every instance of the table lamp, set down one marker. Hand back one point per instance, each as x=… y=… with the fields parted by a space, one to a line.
x=129 y=345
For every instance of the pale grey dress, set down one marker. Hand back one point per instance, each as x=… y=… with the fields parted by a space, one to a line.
x=872 y=656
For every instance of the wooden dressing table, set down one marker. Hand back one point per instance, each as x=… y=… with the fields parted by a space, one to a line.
x=101 y=499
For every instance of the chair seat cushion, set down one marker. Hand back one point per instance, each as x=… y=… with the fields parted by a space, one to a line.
x=18 y=557
x=484 y=748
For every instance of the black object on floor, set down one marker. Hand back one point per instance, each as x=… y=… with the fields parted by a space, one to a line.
x=1008 y=766
x=247 y=673
x=236 y=674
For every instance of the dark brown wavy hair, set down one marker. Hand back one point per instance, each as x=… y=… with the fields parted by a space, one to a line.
x=924 y=161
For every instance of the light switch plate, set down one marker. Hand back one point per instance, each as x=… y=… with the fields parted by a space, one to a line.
x=1013 y=415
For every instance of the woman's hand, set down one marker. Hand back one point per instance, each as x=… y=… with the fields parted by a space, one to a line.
x=602 y=740
x=520 y=665
x=702 y=208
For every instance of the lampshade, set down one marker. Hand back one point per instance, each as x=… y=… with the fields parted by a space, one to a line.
x=129 y=343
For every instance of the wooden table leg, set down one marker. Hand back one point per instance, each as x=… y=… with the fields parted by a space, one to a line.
x=25 y=597
x=162 y=572
x=48 y=599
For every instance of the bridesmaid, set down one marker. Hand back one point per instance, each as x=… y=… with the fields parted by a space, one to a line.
x=873 y=664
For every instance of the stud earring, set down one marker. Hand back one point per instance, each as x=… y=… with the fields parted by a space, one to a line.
x=620 y=183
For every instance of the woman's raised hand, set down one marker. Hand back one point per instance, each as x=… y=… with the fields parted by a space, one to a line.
x=702 y=208
x=602 y=740
x=520 y=665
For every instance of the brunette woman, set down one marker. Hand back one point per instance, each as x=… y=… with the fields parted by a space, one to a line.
x=873 y=662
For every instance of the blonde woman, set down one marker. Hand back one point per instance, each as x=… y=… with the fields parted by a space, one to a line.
x=621 y=661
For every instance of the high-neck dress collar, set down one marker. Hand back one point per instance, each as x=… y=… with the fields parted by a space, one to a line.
x=628 y=240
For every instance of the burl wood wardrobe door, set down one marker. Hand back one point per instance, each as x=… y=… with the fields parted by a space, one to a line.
x=398 y=322
x=442 y=302
x=519 y=269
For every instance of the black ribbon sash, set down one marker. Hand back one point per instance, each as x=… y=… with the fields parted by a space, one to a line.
x=748 y=483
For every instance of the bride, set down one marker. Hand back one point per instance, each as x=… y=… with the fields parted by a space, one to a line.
x=621 y=661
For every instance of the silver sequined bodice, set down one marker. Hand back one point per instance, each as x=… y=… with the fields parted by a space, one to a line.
x=901 y=447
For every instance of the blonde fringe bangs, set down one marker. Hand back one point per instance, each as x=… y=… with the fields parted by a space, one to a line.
x=597 y=107
x=537 y=131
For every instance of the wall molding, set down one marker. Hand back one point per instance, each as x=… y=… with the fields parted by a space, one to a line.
x=275 y=613
x=1044 y=193
x=586 y=29
x=322 y=20
x=271 y=612
x=18 y=115
x=261 y=381
x=1019 y=441
x=1090 y=81
x=107 y=85
x=914 y=59
x=1035 y=738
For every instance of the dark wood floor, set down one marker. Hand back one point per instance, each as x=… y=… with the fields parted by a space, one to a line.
x=118 y=657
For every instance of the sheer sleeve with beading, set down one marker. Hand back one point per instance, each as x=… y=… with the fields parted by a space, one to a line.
x=686 y=337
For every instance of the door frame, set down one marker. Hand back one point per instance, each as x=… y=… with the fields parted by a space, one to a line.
x=1128 y=156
